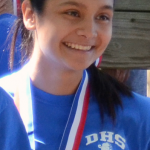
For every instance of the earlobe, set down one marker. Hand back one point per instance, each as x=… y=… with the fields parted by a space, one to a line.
x=28 y=15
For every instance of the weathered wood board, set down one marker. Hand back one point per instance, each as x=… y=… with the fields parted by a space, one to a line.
x=133 y=5
x=6 y=6
x=130 y=45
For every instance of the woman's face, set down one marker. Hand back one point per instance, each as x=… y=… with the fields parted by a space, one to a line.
x=72 y=34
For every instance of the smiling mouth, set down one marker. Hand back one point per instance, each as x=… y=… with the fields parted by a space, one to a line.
x=78 y=47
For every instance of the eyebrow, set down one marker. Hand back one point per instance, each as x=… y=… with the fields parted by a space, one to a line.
x=107 y=7
x=74 y=4
x=83 y=6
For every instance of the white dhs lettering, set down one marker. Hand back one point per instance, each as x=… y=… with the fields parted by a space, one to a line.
x=92 y=138
x=120 y=141
x=106 y=137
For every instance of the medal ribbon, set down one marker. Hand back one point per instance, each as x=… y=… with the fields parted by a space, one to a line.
x=75 y=125
x=98 y=61
x=17 y=7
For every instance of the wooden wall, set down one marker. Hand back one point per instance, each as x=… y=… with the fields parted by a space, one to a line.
x=130 y=45
x=6 y=6
x=133 y=5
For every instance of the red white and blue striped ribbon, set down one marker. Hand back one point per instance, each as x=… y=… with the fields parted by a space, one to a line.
x=76 y=121
x=17 y=7
x=75 y=125
x=98 y=61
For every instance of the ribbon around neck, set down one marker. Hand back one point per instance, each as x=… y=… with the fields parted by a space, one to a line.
x=98 y=61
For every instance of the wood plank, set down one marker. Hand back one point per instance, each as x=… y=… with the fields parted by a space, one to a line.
x=6 y=6
x=134 y=5
x=130 y=45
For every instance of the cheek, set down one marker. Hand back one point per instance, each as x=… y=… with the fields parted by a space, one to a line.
x=107 y=37
x=109 y=32
x=47 y=38
x=104 y=40
x=50 y=42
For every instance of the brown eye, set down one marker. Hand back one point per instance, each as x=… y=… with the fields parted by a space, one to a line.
x=103 y=18
x=73 y=13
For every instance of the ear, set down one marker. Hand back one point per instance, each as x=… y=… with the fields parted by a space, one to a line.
x=29 y=18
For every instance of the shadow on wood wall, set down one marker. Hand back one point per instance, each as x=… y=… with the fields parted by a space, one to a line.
x=130 y=44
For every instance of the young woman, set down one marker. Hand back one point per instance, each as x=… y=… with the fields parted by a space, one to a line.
x=65 y=102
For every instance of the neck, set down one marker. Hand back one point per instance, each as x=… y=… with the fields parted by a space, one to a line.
x=53 y=79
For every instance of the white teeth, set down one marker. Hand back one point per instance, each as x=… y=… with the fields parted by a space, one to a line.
x=80 y=47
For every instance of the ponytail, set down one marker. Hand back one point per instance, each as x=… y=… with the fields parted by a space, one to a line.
x=26 y=44
x=107 y=91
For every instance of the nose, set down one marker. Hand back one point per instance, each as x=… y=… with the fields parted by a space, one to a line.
x=87 y=29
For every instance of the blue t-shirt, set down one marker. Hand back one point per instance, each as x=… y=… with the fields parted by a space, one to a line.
x=131 y=130
x=52 y=112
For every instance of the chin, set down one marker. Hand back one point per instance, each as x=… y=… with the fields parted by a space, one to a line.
x=79 y=67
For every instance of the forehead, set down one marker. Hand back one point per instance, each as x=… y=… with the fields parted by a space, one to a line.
x=81 y=3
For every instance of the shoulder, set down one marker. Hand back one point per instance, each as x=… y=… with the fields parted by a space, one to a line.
x=137 y=108
x=3 y=99
x=137 y=102
x=7 y=20
x=11 y=125
x=11 y=81
x=136 y=114
x=8 y=83
x=6 y=100
x=135 y=120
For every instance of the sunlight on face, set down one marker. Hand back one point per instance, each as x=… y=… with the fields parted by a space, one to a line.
x=72 y=34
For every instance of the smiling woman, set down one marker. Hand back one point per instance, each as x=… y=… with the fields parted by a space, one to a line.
x=65 y=102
